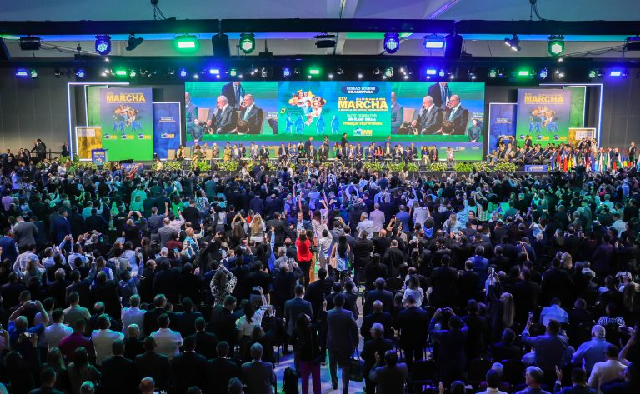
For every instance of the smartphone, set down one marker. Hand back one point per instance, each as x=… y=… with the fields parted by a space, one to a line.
x=175 y=250
x=531 y=316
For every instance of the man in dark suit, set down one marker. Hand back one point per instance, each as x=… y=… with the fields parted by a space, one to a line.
x=444 y=279
x=252 y=115
x=362 y=249
x=440 y=92
x=48 y=381
x=234 y=92
x=25 y=233
x=318 y=290
x=390 y=378
x=379 y=294
x=295 y=307
x=223 y=322
x=150 y=317
x=342 y=338
x=188 y=368
x=258 y=375
x=96 y=222
x=119 y=373
x=429 y=119
x=223 y=119
x=185 y=322
x=61 y=226
x=458 y=115
x=393 y=258
x=378 y=316
x=153 y=365
x=378 y=344
x=412 y=322
x=206 y=342
x=221 y=369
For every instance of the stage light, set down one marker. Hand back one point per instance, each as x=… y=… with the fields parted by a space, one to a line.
x=80 y=73
x=555 y=46
x=391 y=42
x=376 y=71
x=560 y=74
x=315 y=71
x=233 y=72
x=388 y=72
x=247 y=42
x=183 y=73
x=432 y=71
x=560 y=59
x=132 y=74
x=433 y=42
x=513 y=43
x=106 y=59
x=196 y=76
x=493 y=73
x=214 y=71
x=339 y=71
x=523 y=73
x=595 y=73
x=406 y=76
x=30 y=43
x=264 y=72
x=617 y=73
x=543 y=73
x=104 y=73
x=133 y=42
x=360 y=76
x=120 y=72
x=22 y=73
x=441 y=73
x=57 y=73
x=286 y=72
x=330 y=75
x=103 y=45
x=472 y=75
x=33 y=73
x=186 y=43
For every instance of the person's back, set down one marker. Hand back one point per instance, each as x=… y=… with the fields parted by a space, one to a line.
x=258 y=375
x=390 y=379
x=118 y=373
x=606 y=371
x=188 y=368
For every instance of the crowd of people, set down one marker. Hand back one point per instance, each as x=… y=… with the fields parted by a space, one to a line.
x=189 y=282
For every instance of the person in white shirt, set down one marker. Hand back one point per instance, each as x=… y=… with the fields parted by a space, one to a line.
x=618 y=224
x=554 y=312
x=606 y=371
x=103 y=339
x=132 y=315
x=168 y=341
x=420 y=214
x=377 y=217
x=57 y=330
x=365 y=225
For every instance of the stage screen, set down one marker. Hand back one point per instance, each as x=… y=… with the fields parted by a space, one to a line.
x=126 y=117
x=543 y=116
x=365 y=111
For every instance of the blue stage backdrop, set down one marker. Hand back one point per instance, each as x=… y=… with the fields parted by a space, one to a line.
x=166 y=128
x=502 y=123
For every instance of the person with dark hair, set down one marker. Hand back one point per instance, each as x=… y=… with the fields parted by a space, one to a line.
x=534 y=379
x=389 y=378
x=606 y=371
x=80 y=370
x=451 y=360
x=48 y=381
x=153 y=365
x=293 y=309
x=221 y=369
x=579 y=383
x=206 y=342
x=551 y=349
x=494 y=382
x=118 y=373
x=412 y=322
x=342 y=339
x=188 y=368
x=307 y=352
x=103 y=339
x=375 y=346
x=167 y=340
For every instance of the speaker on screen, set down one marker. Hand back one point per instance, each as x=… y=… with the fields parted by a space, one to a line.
x=220 y=43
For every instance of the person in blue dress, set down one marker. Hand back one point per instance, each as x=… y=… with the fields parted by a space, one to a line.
x=334 y=124
x=320 y=125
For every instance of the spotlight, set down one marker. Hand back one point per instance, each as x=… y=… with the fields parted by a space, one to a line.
x=493 y=73
x=120 y=72
x=80 y=73
x=186 y=43
x=264 y=72
x=196 y=76
x=33 y=73
x=388 y=72
x=339 y=71
x=555 y=46
x=513 y=43
x=132 y=73
x=104 y=73
x=286 y=72
x=391 y=42
x=560 y=59
x=133 y=42
x=315 y=71
x=57 y=73
x=560 y=74
x=296 y=71
x=233 y=72
x=30 y=43
x=183 y=73
x=453 y=46
x=170 y=71
x=617 y=73
x=106 y=59
x=214 y=71
x=247 y=42
x=595 y=73
x=406 y=76
x=543 y=73
x=22 y=73
x=472 y=75
x=432 y=71
x=330 y=75
x=376 y=71
x=441 y=73
x=523 y=73
x=432 y=42
x=360 y=76
x=103 y=45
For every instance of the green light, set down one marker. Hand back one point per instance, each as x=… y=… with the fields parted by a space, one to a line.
x=555 y=46
x=247 y=42
x=594 y=74
x=186 y=43
x=493 y=73
x=524 y=73
x=315 y=71
x=233 y=72
x=120 y=72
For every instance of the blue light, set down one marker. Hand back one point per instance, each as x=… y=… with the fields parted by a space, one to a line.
x=80 y=73
x=214 y=71
x=103 y=45
x=391 y=42
x=286 y=72
x=543 y=73
x=617 y=73
x=432 y=71
x=22 y=73
x=183 y=73
x=433 y=42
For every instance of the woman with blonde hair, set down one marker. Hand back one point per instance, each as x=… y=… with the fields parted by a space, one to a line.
x=257 y=228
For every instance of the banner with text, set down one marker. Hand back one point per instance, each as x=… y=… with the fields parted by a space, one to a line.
x=166 y=128
x=543 y=116
x=502 y=124
x=126 y=116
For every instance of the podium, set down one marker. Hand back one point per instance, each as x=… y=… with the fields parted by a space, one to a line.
x=99 y=156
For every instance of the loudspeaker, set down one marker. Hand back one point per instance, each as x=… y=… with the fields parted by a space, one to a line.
x=220 y=43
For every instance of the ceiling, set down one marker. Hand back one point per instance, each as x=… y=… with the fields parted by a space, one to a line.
x=303 y=43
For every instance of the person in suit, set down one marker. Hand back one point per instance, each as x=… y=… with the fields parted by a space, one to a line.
x=579 y=381
x=221 y=369
x=318 y=290
x=153 y=365
x=429 y=119
x=252 y=115
x=223 y=119
x=206 y=342
x=223 y=322
x=396 y=114
x=61 y=226
x=188 y=368
x=342 y=338
x=191 y=115
x=258 y=375
x=533 y=379
x=378 y=316
x=385 y=297
x=458 y=115
x=48 y=378
x=391 y=377
x=412 y=323
x=119 y=373
x=294 y=308
x=606 y=371
x=25 y=233
x=234 y=92
x=440 y=92
x=377 y=345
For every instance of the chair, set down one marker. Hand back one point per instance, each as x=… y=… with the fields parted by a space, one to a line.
x=478 y=370
x=512 y=371
x=422 y=373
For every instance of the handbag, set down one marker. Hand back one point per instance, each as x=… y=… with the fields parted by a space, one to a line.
x=356 y=368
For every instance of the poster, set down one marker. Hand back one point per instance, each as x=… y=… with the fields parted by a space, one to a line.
x=543 y=116
x=502 y=124
x=88 y=139
x=126 y=116
x=166 y=128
